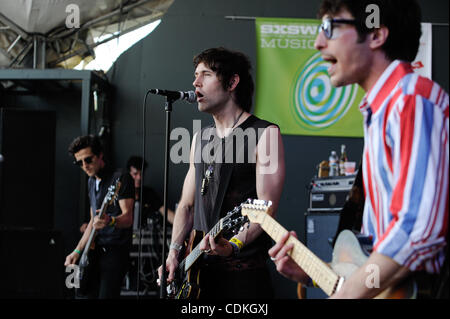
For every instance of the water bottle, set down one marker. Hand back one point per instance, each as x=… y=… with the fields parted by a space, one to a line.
x=334 y=164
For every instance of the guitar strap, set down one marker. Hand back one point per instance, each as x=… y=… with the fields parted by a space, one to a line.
x=351 y=214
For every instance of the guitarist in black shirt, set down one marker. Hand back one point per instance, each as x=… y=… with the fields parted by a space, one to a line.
x=109 y=251
x=220 y=179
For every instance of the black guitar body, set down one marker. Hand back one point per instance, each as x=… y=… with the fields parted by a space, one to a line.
x=187 y=283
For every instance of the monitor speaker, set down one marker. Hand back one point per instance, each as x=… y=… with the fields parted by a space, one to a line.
x=320 y=230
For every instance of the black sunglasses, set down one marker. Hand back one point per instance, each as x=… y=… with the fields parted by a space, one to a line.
x=87 y=160
x=327 y=25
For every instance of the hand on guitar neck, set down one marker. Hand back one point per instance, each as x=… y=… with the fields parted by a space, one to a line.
x=221 y=248
x=284 y=263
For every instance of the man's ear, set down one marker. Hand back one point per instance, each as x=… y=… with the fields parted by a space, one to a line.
x=378 y=37
x=234 y=81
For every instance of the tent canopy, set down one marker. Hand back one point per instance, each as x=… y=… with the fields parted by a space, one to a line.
x=61 y=33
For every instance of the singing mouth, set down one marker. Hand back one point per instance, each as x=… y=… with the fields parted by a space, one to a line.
x=332 y=62
x=199 y=96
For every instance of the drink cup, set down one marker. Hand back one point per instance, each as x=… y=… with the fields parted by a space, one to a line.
x=350 y=168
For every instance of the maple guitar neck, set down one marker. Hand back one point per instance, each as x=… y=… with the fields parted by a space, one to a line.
x=319 y=271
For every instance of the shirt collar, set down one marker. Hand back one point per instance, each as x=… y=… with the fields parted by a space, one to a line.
x=385 y=84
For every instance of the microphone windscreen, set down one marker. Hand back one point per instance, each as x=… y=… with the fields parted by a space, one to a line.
x=191 y=97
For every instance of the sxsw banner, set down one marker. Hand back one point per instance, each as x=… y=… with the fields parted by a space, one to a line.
x=293 y=88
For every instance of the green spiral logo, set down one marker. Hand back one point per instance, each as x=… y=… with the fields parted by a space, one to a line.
x=316 y=103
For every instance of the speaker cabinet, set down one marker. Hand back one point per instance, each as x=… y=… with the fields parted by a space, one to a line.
x=320 y=230
x=32 y=264
x=27 y=148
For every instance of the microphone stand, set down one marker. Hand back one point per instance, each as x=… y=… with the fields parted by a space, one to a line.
x=168 y=109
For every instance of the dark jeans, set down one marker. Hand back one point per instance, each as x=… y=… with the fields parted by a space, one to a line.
x=216 y=283
x=110 y=265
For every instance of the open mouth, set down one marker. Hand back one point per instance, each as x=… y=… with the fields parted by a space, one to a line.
x=332 y=62
x=199 y=95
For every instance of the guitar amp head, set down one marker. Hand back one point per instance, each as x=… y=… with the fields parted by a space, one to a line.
x=329 y=193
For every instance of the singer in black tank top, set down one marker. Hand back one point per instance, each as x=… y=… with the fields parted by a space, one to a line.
x=223 y=174
x=245 y=275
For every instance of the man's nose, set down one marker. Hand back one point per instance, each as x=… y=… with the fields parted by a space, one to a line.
x=320 y=41
x=196 y=82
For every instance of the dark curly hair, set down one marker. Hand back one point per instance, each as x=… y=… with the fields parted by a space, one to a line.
x=82 y=142
x=401 y=17
x=226 y=64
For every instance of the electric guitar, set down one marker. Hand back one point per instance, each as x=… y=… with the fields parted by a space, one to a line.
x=85 y=262
x=186 y=283
x=348 y=255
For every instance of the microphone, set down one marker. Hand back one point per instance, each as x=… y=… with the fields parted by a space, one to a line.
x=189 y=96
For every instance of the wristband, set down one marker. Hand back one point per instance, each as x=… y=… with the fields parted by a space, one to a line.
x=112 y=222
x=175 y=246
x=238 y=243
x=235 y=248
x=312 y=283
x=77 y=251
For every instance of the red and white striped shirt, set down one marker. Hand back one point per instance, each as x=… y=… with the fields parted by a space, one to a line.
x=405 y=168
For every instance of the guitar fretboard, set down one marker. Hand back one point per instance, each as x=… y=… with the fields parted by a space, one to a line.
x=93 y=231
x=319 y=271
x=196 y=252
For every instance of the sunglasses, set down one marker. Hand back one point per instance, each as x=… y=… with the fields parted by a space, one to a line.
x=87 y=160
x=328 y=24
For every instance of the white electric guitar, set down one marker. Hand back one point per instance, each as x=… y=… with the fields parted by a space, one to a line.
x=348 y=255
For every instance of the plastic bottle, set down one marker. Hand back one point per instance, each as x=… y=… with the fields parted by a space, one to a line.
x=334 y=166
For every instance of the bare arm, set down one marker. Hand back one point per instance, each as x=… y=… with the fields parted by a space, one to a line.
x=124 y=220
x=270 y=174
x=378 y=273
x=170 y=214
x=73 y=257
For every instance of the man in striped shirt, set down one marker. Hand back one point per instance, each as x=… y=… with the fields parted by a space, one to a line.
x=406 y=152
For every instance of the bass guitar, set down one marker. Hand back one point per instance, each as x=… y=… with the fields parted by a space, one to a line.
x=85 y=260
x=186 y=283
x=348 y=255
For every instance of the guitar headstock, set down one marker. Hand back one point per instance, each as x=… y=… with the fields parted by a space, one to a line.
x=255 y=209
x=113 y=192
x=234 y=220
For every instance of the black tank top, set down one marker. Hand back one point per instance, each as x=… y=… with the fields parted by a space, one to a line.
x=232 y=161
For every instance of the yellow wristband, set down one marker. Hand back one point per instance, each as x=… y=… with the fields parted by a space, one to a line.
x=113 y=221
x=237 y=242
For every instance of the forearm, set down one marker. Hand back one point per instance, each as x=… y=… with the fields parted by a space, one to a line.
x=378 y=273
x=248 y=235
x=124 y=220
x=82 y=243
x=170 y=214
x=182 y=224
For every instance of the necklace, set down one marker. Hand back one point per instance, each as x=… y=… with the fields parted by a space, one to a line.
x=209 y=173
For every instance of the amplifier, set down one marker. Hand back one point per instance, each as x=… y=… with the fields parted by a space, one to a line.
x=329 y=193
